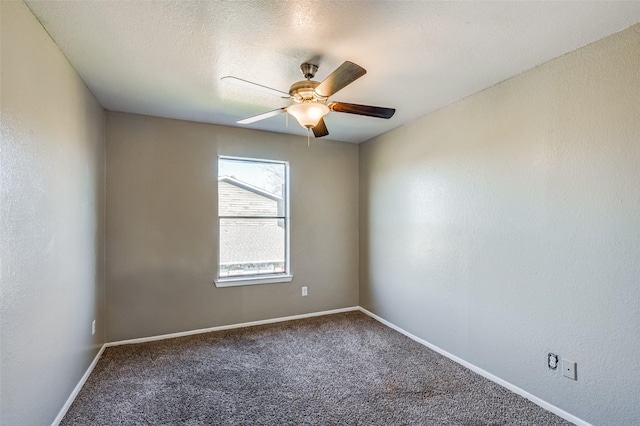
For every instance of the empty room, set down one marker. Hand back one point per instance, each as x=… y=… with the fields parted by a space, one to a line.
x=319 y=212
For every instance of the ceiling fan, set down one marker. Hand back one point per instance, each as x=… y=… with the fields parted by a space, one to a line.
x=309 y=98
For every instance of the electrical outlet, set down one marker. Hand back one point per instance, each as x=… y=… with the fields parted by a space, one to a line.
x=569 y=369
x=93 y=327
x=304 y=290
x=552 y=361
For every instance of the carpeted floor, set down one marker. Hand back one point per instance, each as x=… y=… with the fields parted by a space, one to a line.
x=344 y=369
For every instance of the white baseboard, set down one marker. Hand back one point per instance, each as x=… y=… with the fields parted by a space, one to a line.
x=513 y=388
x=76 y=390
x=231 y=326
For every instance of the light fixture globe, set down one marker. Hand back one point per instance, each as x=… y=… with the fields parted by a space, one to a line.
x=308 y=114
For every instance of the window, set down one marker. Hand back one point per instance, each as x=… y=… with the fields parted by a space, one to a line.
x=253 y=215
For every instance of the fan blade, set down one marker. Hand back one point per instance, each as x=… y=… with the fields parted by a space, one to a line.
x=262 y=116
x=370 y=111
x=345 y=74
x=255 y=86
x=320 y=129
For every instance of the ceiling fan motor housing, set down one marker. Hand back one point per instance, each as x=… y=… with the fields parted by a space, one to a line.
x=304 y=91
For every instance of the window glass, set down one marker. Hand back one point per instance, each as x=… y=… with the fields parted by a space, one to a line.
x=253 y=215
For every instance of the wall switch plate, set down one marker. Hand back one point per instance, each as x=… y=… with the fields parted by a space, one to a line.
x=569 y=369
x=93 y=327
x=304 y=291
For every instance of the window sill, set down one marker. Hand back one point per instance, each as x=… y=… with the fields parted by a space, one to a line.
x=240 y=281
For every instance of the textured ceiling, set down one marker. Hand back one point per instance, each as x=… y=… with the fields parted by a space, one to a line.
x=166 y=58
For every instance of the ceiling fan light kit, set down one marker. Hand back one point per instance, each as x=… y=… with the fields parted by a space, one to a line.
x=308 y=113
x=310 y=97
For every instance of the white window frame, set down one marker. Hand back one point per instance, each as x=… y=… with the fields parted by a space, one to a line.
x=261 y=278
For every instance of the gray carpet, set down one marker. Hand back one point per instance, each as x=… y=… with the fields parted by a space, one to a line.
x=344 y=369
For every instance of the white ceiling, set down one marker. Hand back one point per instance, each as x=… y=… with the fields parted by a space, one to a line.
x=166 y=58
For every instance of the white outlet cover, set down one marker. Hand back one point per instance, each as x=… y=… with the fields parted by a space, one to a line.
x=569 y=369
x=552 y=361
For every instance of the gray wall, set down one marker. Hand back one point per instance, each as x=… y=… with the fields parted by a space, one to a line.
x=162 y=226
x=507 y=225
x=51 y=223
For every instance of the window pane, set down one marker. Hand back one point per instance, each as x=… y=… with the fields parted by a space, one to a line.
x=252 y=247
x=250 y=188
x=253 y=214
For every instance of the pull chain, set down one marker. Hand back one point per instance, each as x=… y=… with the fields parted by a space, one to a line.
x=308 y=137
